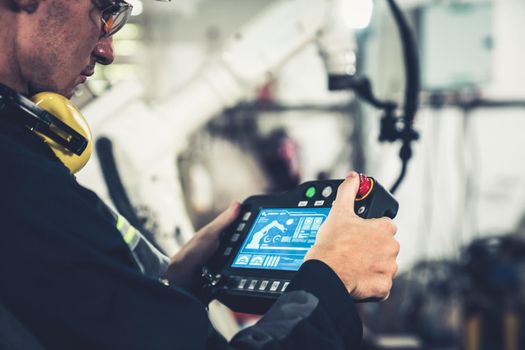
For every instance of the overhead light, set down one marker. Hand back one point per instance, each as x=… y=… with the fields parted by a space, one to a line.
x=356 y=13
x=138 y=7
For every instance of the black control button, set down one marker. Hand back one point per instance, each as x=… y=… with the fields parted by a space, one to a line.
x=242 y=283
x=275 y=286
x=263 y=285
x=252 y=285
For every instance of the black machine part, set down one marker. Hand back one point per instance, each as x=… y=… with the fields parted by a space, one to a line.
x=393 y=127
x=254 y=290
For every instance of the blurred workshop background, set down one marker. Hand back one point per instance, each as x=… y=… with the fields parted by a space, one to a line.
x=214 y=100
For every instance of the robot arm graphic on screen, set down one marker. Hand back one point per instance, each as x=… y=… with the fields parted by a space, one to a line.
x=255 y=243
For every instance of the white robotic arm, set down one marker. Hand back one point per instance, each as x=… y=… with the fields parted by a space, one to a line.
x=147 y=140
x=255 y=54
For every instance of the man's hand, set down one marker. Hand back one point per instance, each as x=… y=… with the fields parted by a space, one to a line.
x=361 y=252
x=186 y=264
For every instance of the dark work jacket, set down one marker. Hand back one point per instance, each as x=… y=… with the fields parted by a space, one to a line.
x=69 y=281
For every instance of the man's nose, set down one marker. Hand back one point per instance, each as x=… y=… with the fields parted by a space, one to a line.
x=103 y=51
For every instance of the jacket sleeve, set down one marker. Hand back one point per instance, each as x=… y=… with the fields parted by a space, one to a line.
x=315 y=313
x=69 y=279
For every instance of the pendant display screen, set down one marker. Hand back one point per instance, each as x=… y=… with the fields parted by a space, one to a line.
x=279 y=238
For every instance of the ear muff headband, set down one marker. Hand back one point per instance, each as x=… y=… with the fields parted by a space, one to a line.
x=56 y=120
x=77 y=132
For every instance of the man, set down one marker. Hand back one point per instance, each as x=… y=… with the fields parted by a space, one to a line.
x=68 y=279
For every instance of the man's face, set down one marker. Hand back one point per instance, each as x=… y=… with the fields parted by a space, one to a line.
x=59 y=43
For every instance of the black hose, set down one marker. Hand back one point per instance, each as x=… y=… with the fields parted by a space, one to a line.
x=116 y=189
x=395 y=186
x=411 y=60
x=412 y=87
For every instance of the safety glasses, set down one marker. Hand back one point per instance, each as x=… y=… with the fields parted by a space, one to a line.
x=114 y=17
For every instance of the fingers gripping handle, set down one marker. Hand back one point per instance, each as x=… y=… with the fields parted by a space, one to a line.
x=373 y=200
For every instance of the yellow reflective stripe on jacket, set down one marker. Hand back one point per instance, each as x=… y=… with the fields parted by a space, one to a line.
x=120 y=222
x=149 y=260
x=130 y=235
x=128 y=232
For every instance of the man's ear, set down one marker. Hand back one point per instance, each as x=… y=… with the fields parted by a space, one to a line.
x=28 y=6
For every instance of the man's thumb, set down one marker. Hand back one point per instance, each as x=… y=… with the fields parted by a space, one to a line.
x=347 y=192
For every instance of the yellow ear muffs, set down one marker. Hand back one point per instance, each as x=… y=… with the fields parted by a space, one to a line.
x=68 y=113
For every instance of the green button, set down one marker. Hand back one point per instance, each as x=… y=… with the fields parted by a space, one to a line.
x=310 y=192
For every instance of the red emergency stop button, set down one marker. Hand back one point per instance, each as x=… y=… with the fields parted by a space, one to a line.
x=365 y=187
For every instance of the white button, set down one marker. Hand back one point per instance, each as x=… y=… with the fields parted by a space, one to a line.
x=327 y=191
x=318 y=203
x=242 y=283
x=274 y=286
x=285 y=285
x=263 y=285
x=302 y=204
x=246 y=216
x=235 y=237
x=228 y=251
x=252 y=284
x=241 y=226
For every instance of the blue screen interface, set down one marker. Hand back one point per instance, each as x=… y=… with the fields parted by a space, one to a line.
x=280 y=238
